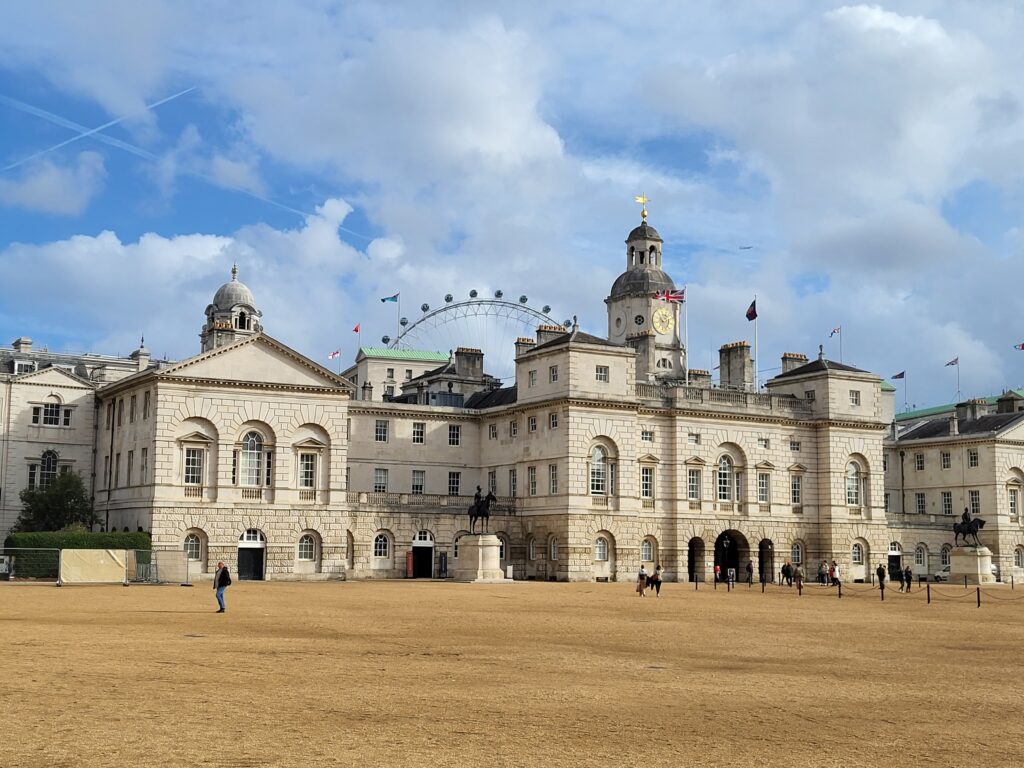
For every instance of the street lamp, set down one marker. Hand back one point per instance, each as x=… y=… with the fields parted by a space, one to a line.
x=725 y=544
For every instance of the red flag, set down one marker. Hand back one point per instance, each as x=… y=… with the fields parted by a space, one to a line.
x=356 y=329
x=752 y=310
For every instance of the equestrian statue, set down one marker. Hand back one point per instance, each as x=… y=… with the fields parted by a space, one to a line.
x=480 y=510
x=968 y=527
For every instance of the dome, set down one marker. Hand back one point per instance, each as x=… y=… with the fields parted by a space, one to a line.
x=234 y=293
x=644 y=232
x=641 y=281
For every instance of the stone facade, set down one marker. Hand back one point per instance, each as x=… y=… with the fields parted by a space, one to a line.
x=604 y=454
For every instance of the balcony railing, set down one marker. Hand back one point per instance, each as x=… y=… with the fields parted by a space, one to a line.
x=648 y=503
x=307 y=494
x=193 y=491
x=504 y=505
x=252 y=494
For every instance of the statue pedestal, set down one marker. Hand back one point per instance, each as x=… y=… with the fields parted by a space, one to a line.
x=973 y=562
x=479 y=559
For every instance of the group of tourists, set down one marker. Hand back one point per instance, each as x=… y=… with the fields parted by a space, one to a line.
x=645 y=581
x=904 y=575
x=829 y=573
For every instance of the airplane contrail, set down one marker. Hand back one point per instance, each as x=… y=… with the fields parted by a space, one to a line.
x=97 y=135
x=84 y=132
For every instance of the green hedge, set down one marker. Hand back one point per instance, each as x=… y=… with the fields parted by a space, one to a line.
x=78 y=540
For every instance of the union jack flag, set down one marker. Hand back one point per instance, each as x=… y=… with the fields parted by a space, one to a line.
x=676 y=297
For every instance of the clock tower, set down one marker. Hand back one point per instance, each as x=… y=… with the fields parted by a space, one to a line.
x=637 y=318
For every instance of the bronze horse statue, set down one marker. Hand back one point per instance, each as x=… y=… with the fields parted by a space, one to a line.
x=481 y=510
x=970 y=528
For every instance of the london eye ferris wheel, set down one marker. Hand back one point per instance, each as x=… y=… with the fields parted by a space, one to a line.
x=489 y=323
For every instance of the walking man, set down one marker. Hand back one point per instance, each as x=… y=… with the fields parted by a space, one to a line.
x=750 y=572
x=880 y=573
x=221 y=581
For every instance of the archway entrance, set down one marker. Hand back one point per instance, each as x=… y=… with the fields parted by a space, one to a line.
x=423 y=555
x=766 y=560
x=695 y=560
x=732 y=551
x=252 y=548
x=895 y=561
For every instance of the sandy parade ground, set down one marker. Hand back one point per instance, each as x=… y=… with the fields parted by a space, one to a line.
x=425 y=673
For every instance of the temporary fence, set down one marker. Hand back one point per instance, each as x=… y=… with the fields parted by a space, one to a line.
x=96 y=566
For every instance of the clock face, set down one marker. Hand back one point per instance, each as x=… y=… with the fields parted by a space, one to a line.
x=662 y=320
x=639 y=319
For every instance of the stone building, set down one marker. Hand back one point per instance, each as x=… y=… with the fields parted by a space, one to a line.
x=968 y=456
x=606 y=451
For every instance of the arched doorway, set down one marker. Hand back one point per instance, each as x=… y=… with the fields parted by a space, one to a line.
x=732 y=551
x=766 y=560
x=695 y=560
x=423 y=555
x=895 y=560
x=252 y=549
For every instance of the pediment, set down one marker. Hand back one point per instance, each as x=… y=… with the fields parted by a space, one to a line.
x=58 y=377
x=695 y=461
x=259 y=359
x=310 y=442
x=764 y=465
x=649 y=458
x=195 y=437
x=797 y=468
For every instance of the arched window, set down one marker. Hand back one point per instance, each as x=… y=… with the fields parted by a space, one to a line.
x=193 y=547
x=455 y=548
x=646 y=551
x=598 y=471
x=796 y=553
x=252 y=534
x=1018 y=558
x=857 y=554
x=944 y=555
x=381 y=546
x=241 y=323
x=725 y=478
x=47 y=468
x=252 y=458
x=853 y=484
x=601 y=548
x=501 y=548
x=531 y=547
x=553 y=549
x=895 y=548
x=307 y=547
x=920 y=556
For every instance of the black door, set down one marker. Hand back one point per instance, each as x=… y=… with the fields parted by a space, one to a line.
x=250 y=564
x=422 y=562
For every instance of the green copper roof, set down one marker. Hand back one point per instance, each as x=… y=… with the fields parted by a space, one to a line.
x=887 y=387
x=921 y=413
x=403 y=354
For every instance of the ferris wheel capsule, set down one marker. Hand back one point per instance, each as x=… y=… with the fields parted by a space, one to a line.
x=498 y=294
x=424 y=307
x=403 y=321
x=472 y=294
x=449 y=298
x=523 y=299
x=385 y=339
x=545 y=309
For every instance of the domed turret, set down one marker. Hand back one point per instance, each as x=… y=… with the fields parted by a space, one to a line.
x=232 y=315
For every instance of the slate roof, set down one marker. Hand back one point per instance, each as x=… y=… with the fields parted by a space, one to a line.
x=493 y=398
x=948 y=408
x=983 y=425
x=576 y=336
x=816 y=366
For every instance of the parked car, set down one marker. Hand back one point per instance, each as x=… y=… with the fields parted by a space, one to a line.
x=943 y=573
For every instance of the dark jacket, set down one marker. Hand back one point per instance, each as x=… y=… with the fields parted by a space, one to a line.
x=880 y=573
x=222 y=578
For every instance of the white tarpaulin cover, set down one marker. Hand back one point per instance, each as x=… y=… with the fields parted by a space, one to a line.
x=92 y=566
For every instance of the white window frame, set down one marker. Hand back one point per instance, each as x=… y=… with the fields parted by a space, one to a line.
x=552 y=374
x=531 y=424
x=973 y=459
x=693 y=484
x=854 y=397
x=193 y=473
x=601 y=549
x=454 y=483
x=920 y=503
x=646 y=482
x=947 y=502
x=454 y=435
x=380 y=480
x=796 y=489
x=796 y=553
x=531 y=480
x=419 y=432
x=857 y=553
x=918 y=462
x=308 y=465
x=646 y=551
x=553 y=420
x=381 y=427
x=419 y=481
x=602 y=374
x=724 y=479
x=946 y=460
x=854 y=485
x=193 y=544
x=382 y=545
x=974 y=501
x=764 y=488
x=306 y=551
x=552 y=479
x=553 y=549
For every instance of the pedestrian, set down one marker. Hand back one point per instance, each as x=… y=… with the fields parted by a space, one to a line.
x=836 y=576
x=908 y=576
x=750 y=573
x=798 y=577
x=718 y=573
x=656 y=581
x=221 y=581
x=641 y=581
x=788 y=573
x=880 y=573
x=822 y=573
x=899 y=575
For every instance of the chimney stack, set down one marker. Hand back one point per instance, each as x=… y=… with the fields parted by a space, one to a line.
x=469 y=363
x=524 y=345
x=736 y=369
x=546 y=333
x=792 y=360
x=22 y=344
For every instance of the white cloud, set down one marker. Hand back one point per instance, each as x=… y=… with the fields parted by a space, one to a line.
x=50 y=187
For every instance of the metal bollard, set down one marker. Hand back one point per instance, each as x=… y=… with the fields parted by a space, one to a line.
x=840 y=590
x=965 y=582
x=881 y=588
x=979 y=597
x=929 y=588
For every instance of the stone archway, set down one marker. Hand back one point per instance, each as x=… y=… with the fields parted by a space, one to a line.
x=732 y=551
x=695 y=565
x=766 y=560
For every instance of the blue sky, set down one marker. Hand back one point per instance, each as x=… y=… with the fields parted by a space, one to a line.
x=871 y=156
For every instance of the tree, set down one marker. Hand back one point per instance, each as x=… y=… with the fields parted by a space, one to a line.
x=62 y=503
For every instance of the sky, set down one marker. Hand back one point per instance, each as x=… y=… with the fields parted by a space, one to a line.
x=853 y=166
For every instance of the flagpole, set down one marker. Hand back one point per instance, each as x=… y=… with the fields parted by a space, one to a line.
x=756 y=357
x=958 y=379
x=906 y=405
x=840 y=343
x=398 y=320
x=686 y=333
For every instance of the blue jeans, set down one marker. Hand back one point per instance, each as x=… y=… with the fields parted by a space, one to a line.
x=220 y=597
